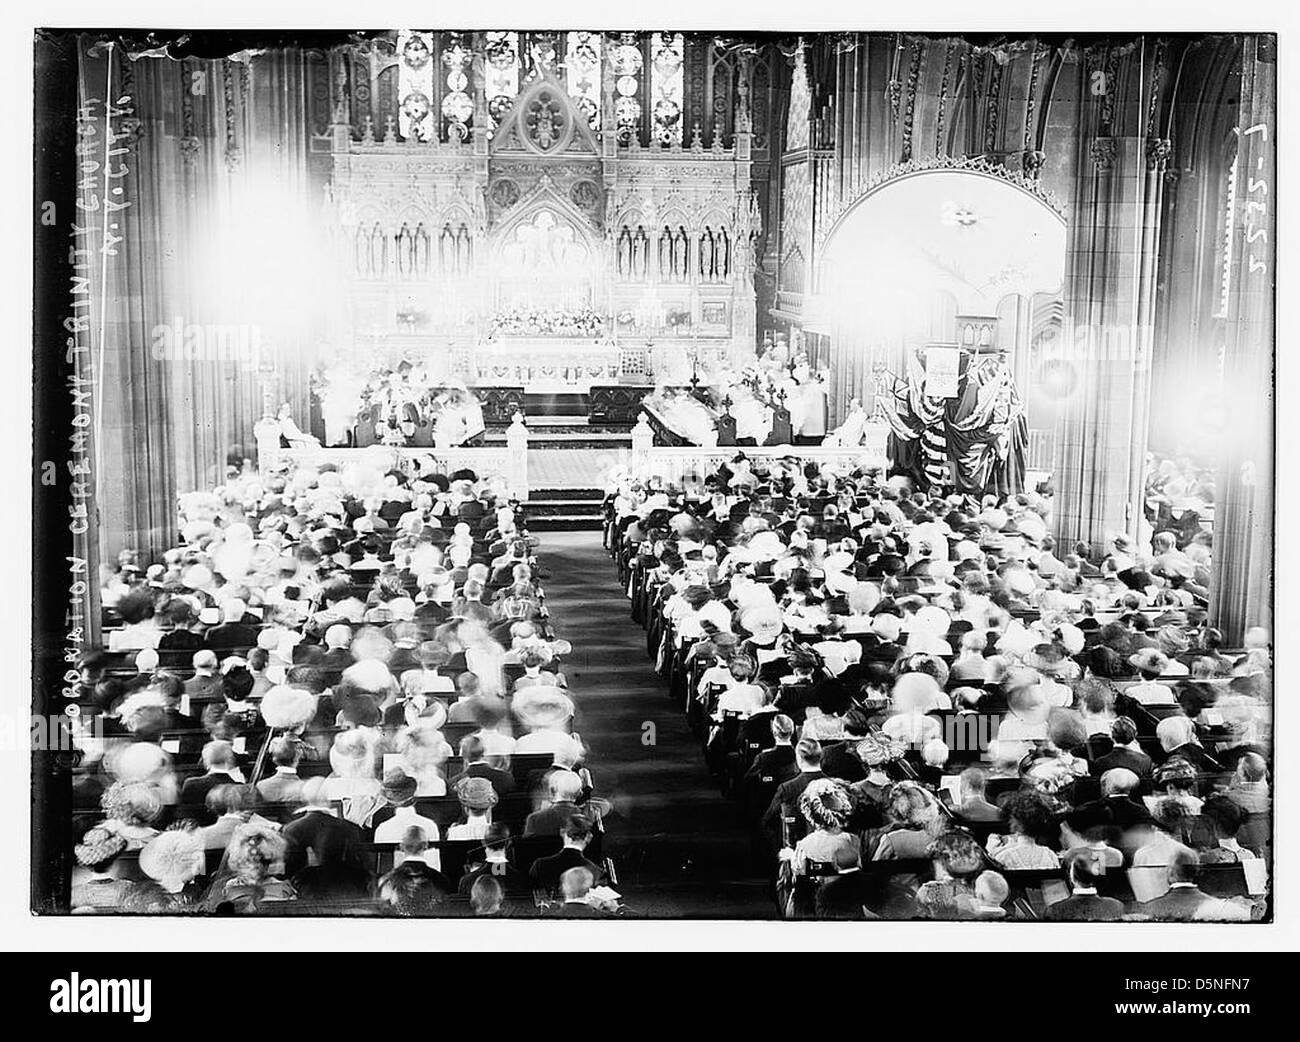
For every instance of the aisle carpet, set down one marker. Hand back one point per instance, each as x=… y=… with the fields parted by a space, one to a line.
x=679 y=848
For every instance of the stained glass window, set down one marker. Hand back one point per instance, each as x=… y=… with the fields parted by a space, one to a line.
x=582 y=74
x=625 y=61
x=666 y=83
x=415 y=85
x=501 y=73
x=457 y=108
x=541 y=47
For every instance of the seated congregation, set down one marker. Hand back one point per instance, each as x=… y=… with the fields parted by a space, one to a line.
x=342 y=693
x=923 y=707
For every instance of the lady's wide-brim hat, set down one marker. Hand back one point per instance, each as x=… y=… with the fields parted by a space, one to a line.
x=765 y=546
x=542 y=707
x=476 y=794
x=433 y=654
x=1046 y=658
x=173 y=858
x=98 y=845
x=399 y=787
x=1150 y=660
x=763 y=625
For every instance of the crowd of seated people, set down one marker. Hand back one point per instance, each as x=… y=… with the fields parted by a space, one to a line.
x=924 y=707
x=340 y=694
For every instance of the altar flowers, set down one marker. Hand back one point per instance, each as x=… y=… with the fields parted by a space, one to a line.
x=521 y=321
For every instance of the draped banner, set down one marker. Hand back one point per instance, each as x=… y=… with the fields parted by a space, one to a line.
x=974 y=442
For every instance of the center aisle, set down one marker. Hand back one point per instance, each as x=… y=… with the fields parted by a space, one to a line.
x=679 y=847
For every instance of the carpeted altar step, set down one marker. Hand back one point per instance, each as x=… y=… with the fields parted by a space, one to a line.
x=567 y=430
x=585 y=494
x=565 y=509
x=546 y=439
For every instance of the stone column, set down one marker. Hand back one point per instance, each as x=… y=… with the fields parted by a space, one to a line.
x=1241 y=587
x=1109 y=290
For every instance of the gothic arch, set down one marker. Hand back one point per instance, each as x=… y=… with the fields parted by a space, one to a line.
x=977 y=228
x=544 y=121
x=545 y=197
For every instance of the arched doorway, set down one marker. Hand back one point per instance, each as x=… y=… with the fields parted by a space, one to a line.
x=933 y=250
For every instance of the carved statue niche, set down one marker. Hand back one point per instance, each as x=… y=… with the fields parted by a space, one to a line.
x=708 y=255
x=624 y=253
x=640 y=254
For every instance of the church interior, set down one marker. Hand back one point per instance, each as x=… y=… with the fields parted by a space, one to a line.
x=660 y=475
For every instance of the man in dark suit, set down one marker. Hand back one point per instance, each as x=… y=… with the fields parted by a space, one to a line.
x=841 y=761
x=319 y=836
x=219 y=759
x=770 y=768
x=1118 y=787
x=172 y=688
x=782 y=822
x=205 y=685
x=181 y=637
x=1124 y=753
x=1184 y=898
x=565 y=790
x=515 y=885
x=544 y=876
x=847 y=894
x=779 y=759
x=473 y=753
x=575 y=885
x=235 y=631
x=756 y=730
x=974 y=805
x=337 y=640
x=431 y=610
x=1085 y=904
